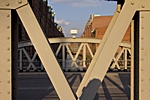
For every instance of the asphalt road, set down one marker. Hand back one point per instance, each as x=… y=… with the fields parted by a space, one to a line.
x=37 y=86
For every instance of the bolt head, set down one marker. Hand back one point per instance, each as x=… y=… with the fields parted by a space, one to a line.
x=143 y=6
x=8 y=59
x=8 y=15
x=142 y=79
x=8 y=81
x=8 y=37
x=142 y=59
x=7 y=4
x=8 y=70
x=142 y=90
x=19 y=1
x=132 y=3
x=142 y=38
x=8 y=48
x=8 y=26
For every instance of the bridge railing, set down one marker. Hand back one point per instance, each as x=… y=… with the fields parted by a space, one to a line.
x=73 y=59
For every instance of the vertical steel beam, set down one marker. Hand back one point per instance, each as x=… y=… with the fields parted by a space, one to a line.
x=132 y=62
x=63 y=56
x=84 y=55
x=125 y=58
x=144 y=55
x=45 y=53
x=5 y=55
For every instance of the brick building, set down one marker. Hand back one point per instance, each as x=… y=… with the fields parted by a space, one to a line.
x=45 y=17
x=96 y=27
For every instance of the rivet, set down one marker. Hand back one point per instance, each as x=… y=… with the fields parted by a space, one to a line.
x=142 y=16
x=8 y=92
x=142 y=79
x=8 y=59
x=8 y=37
x=7 y=4
x=142 y=38
x=132 y=3
x=8 y=15
x=8 y=26
x=8 y=81
x=19 y=1
x=142 y=69
x=142 y=48
x=142 y=27
x=8 y=70
x=142 y=90
x=142 y=59
x=143 y=6
x=8 y=48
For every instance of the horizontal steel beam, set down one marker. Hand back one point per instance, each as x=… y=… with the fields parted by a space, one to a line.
x=66 y=40
x=70 y=40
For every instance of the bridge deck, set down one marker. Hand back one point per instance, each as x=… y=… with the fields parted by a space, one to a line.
x=36 y=86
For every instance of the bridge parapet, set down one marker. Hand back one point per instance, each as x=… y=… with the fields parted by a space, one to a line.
x=77 y=60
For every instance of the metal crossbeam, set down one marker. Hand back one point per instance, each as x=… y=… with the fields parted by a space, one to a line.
x=124 y=52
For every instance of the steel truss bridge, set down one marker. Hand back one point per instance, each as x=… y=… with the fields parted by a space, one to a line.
x=134 y=12
x=121 y=61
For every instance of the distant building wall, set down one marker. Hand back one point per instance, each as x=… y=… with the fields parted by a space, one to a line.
x=45 y=17
x=96 y=27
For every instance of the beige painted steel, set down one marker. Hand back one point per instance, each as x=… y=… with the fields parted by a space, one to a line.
x=70 y=40
x=82 y=84
x=144 y=55
x=45 y=53
x=99 y=68
x=103 y=55
x=12 y=4
x=123 y=51
x=144 y=5
x=5 y=55
x=125 y=46
x=77 y=40
x=132 y=62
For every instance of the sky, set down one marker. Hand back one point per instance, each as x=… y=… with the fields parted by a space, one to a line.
x=74 y=14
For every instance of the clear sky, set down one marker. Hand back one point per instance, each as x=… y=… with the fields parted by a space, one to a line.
x=74 y=14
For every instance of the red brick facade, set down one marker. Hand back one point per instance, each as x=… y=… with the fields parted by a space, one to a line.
x=45 y=17
x=96 y=27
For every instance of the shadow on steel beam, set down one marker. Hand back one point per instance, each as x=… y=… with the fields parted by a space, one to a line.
x=90 y=92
